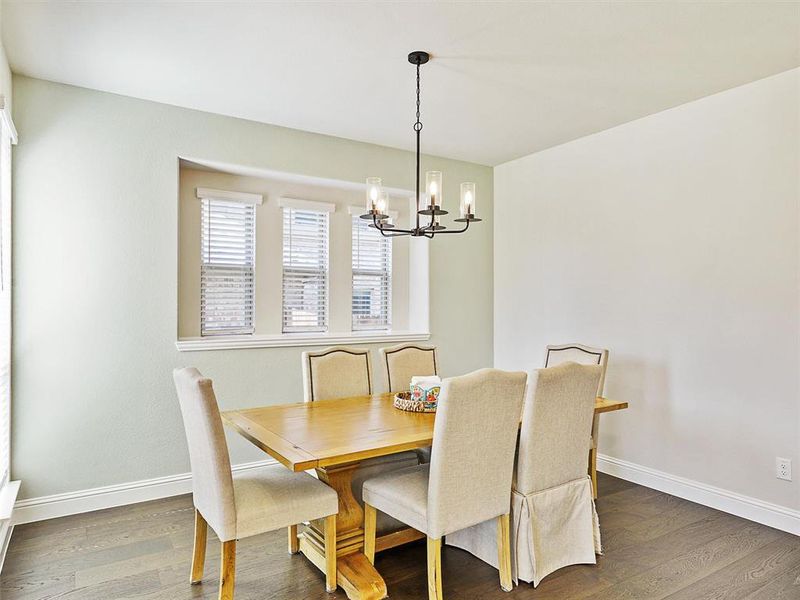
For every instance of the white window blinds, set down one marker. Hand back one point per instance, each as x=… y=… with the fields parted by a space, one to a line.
x=305 y=269
x=372 y=278
x=227 y=285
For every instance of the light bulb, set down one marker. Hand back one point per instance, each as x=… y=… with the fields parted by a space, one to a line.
x=433 y=183
x=373 y=193
x=383 y=203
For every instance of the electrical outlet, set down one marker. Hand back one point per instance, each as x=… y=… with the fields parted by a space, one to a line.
x=783 y=468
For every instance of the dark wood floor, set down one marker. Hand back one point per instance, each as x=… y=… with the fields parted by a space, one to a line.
x=656 y=546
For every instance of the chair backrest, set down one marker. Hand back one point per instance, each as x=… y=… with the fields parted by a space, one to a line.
x=404 y=361
x=336 y=372
x=208 y=452
x=581 y=354
x=556 y=429
x=474 y=437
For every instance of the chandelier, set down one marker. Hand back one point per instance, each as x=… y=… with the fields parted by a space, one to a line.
x=378 y=198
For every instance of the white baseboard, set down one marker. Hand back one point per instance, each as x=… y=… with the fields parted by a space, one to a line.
x=753 y=509
x=82 y=501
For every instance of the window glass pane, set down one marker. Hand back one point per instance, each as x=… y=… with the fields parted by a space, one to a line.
x=227 y=284
x=305 y=270
x=372 y=278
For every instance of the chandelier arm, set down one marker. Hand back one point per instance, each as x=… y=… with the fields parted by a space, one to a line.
x=396 y=233
x=466 y=226
x=383 y=230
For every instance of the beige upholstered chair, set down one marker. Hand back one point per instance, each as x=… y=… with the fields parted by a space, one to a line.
x=243 y=504
x=341 y=372
x=402 y=362
x=554 y=523
x=469 y=478
x=336 y=372
x=584 y=355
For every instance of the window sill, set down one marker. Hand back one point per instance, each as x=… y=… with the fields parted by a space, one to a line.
x=197 y=344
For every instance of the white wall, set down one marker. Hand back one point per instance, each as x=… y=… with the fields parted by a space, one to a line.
x=673 y=241
x=95 y=296
x=5 y=70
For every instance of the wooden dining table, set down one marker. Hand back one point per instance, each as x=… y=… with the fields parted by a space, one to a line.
x=333 y=437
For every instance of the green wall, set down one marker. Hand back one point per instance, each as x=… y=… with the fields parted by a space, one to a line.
x=95 y=279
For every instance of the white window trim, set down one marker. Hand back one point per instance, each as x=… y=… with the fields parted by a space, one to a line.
x=293 y=340
x=228 y=196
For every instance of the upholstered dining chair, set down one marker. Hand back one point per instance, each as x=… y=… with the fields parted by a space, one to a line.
x=336 y=372
x=468 y=480
x=341 y=372
x=584 y=355
x=554 y=523
x=402 y=362
x=240 y=505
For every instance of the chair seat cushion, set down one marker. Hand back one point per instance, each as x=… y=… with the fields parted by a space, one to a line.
x=402 y=494
x=269 y=498
x=372 y=467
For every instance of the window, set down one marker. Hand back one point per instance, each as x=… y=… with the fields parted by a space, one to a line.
x=7 y=138
x=305 y=272
x=227 y=285
x=305 y=266
x=372 y=278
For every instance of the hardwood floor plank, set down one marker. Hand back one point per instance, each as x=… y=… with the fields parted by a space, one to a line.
x=746 y=575
x=689 y=567
x=640 y=530
x=783 y=587
x=607 y=485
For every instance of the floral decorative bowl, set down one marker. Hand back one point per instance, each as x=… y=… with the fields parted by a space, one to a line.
x=417 y=400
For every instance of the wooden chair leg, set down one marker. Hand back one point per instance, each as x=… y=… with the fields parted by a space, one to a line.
x=434 y=569
x=227 y=574
x=330 y=553
x=593 y=453
x=504 y=552
x=294 y=541
x=199 y=552
x=370 y=519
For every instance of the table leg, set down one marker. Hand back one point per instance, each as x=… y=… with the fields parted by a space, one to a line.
x=354 y=573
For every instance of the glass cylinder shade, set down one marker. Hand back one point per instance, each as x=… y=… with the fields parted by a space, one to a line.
x=433 y=187
x=374 y=189
x=467 y=199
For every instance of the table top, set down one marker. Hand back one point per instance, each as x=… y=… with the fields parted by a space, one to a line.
x=323 y=433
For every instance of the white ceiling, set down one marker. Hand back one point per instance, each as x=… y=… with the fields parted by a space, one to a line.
x=507 y=79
